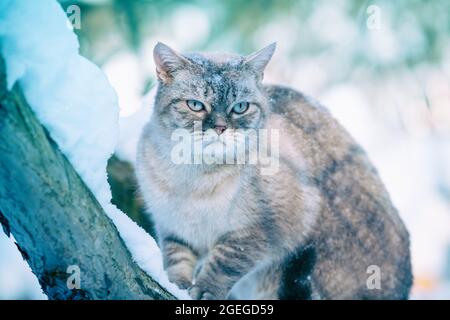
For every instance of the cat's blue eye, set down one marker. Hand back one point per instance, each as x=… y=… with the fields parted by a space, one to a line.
x=240 y=107
x=195 y=105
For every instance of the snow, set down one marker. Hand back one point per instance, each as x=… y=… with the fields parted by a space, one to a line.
x=130 y=127
x=125 y=72
x=73 y=99
x=16 y=279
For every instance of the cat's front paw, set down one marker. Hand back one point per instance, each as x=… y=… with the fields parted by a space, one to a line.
x=198 y=293
x=181 y=281
x=203 y=290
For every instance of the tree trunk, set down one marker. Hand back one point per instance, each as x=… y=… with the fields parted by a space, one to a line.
x=55 y=219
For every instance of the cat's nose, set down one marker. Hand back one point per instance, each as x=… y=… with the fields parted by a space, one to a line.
x=220 y=129
x=220 y=125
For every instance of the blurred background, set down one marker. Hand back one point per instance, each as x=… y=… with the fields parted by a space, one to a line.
x=381 y=67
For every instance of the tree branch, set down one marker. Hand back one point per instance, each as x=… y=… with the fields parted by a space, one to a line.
x=55 y=219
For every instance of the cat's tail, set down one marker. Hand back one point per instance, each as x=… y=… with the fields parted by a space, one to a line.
x=296 y=271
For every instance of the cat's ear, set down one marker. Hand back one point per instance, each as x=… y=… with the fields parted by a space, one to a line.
x=167 y=62
x=259 y=60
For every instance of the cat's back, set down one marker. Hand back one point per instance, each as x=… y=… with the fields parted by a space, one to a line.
x=284 y=99
x=359 y=226
x=283 y=96
x=302 y=112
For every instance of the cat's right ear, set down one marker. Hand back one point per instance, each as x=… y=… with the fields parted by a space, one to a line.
x=259 y=60
x=167 y=62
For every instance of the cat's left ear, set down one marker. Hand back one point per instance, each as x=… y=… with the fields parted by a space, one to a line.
x=167 y=62
x=259 y=60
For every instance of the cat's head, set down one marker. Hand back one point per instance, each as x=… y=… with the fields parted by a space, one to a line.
x=222 y=92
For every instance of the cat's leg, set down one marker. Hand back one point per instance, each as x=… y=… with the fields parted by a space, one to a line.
x=179 y=261
x=233 y=256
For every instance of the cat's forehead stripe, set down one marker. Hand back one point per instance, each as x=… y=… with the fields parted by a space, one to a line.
x=222 y=89
x=217 y=59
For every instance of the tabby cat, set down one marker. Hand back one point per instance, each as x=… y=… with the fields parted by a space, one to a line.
x=321 y=226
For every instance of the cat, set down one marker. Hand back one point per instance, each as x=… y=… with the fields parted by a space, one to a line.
x=321 y=227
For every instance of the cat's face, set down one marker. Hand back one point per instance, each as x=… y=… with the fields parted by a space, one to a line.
x=212 y=96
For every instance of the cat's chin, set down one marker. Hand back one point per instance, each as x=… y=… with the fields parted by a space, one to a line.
x=221 y=153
